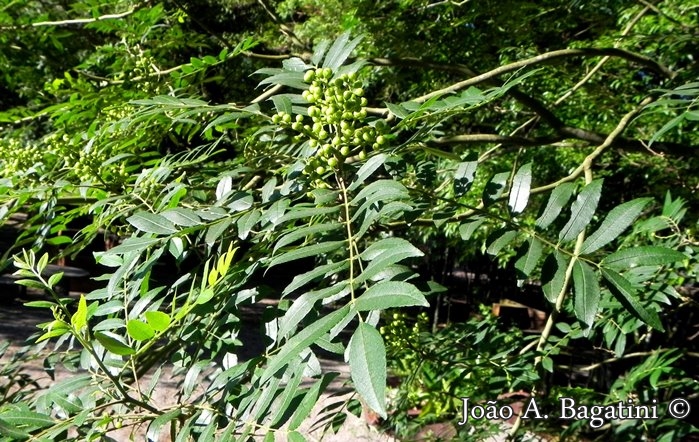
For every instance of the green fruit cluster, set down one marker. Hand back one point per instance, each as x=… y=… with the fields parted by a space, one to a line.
x=336 y=126
x=18 y=160
x=86 y=164
x=399 y=335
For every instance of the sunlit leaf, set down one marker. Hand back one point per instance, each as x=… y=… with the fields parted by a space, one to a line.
x=614 y=224
x=499 y=239
x=529 y=256
x=495 y=187
x=390 y=294
x=463 y=177
x=521 y=184
x=305 y=252
x=182 y=217
x=384 y=253
x=156 y=424
x=139 y=330
x=113 y=345
x=582 y=210
x=303 y=339
x=466 y=230
x=133 y=244
x=152 y=223
x=79 y=318
x=367 y=169
x=366 y=355
x=558 y=199
x=302 y=232
x=158 y=321
x=642 y=256
x=340 y=50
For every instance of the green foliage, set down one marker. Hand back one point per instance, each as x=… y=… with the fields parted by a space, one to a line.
x=323 y=194
x=476 y=359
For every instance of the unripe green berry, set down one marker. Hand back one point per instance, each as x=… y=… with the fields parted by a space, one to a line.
x=380 y=140
x=299 y=118
x=320 y=170
x=297 y=126
x=332 y=162
x=361 y=114
x=286 y=118
x=359 y=92
x=327 y=73
x=322 y=134
x=309 y=76
x=345 y=150
x=362 y=155
x=308 y=96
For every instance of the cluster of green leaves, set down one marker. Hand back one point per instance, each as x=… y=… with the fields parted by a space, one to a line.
x=476 y=359
x=181 y=177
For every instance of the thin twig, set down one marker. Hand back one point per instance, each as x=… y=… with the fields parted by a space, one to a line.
x=621 y=126
x=604 y=59
x=286 y=30
x=75 y=21
x=268 y=93
x=655 y=9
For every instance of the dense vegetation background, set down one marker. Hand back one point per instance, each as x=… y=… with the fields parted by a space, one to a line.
x=351 y=159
